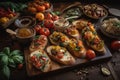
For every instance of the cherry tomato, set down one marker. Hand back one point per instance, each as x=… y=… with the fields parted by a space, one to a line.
x=47 y=5
x=38 y=65
x=90 y=54
x=39 y=16
x=55 y=17
x=43 y=58
x=115 y=45
x=37 y=28
x=32 y=9
x=20 y=66
x=48 y=16
x=60 y=55
x=96 y=40
x=32 y=58
x=80 y=43
x=41 y=8
x=48 y=24
x=44 y=31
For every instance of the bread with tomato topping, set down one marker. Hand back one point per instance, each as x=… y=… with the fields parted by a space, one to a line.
x=40 y=60
x=72 y=32
x=77 y=48
x=92 y=39
x=60 y=55
x=58 y=38
x=80 y=24
x=39 y=42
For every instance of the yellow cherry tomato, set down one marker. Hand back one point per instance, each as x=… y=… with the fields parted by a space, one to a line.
x=4 y=20
x=39 y=16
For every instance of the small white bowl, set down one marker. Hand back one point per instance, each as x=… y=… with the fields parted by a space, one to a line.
x=107 y=33
x=61 y=24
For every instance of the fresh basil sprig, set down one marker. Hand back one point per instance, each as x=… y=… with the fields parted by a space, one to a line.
x=9 y=59
x=5 y=72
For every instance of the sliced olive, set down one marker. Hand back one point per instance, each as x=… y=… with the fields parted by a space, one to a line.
x=105 y=71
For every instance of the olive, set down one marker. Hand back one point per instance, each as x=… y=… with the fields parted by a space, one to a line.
x=105 y=71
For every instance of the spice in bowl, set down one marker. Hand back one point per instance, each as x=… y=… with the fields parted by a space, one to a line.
x=25 y=35
x=61 y=24
x=24 y=32
x=25 y=21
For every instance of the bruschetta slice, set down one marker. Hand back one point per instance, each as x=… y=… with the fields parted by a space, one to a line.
x=60 y=54
x=72 y=32
x=58 y=38
x=80 y=24
x=93 y=40
x=40 y=60
x=77 y=48
x=39 y=42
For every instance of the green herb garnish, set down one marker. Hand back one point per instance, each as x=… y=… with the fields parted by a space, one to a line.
x=9 y=59
x=117 y=24
x=77 y=48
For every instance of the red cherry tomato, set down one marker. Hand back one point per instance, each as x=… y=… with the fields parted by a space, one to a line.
x=55 y=17
x=90 y=54
x=115 y=45
x=40 y=8
x=48 y=16
x=48 y=23
x=37 y=28
x=60 y=55
x=44 y=31
x=20 y=66
x=32 y=58
x=47 y=5
x=38 y=64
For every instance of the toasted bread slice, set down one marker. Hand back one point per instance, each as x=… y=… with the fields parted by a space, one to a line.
x=39 y=42
x=58 y=38
x=60 y=54
x=72 y=32
x=77 y=48
x=92 y=39
x=98 y=47
x=40 y=60
x=80 y=24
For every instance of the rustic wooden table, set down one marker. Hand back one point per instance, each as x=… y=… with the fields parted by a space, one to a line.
x=87 y=72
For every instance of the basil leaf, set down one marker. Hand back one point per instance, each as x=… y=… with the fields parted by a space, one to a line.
x=77 y=48
x=6 y=50
x=11 y=63
x=18 y=59
x=36 y=37
x=4 y=60
x=56 y=13
x=1 y=54
x=21 y=6
x=6 y=72
x=15 y=52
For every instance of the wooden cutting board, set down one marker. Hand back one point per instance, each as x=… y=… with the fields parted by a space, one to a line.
x=32 y=71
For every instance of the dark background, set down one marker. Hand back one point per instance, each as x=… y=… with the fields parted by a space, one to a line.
x=88 y=1
x=94 y=70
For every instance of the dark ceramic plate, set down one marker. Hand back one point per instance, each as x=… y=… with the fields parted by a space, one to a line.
x=90 y=15
x=4 y=26
x=104 y=31
x=72 y=11
x=25 y=21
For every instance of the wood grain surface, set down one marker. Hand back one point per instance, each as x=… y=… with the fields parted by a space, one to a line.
x=87 y=72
